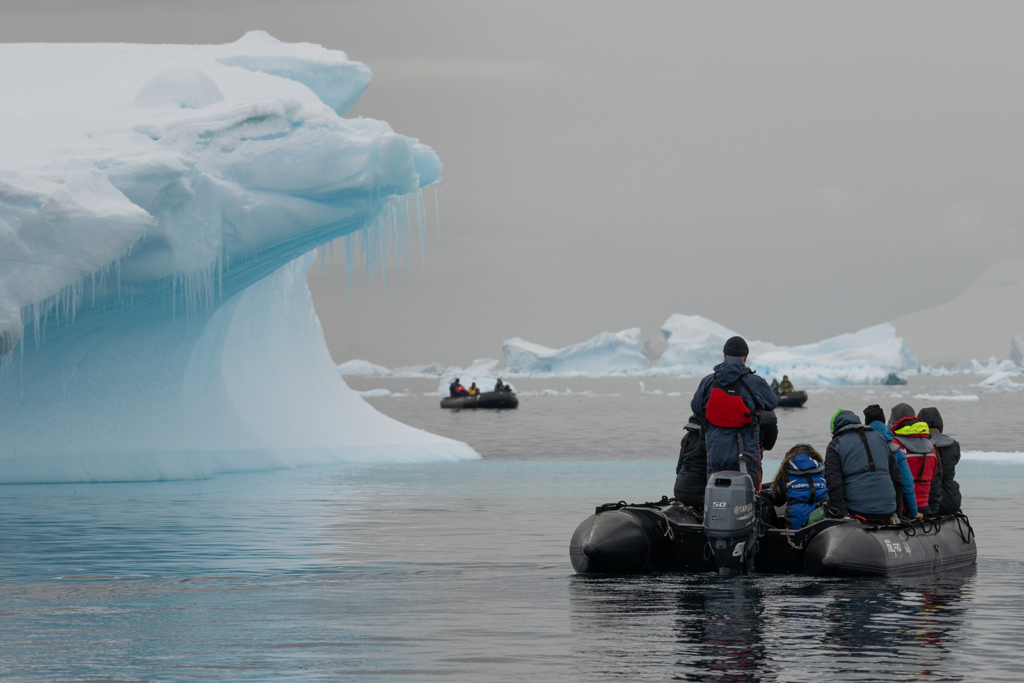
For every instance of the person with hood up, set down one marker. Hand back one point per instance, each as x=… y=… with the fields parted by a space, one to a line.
x=729 y=403
x=948 y=449
x=913 y=437
x=874 y=417
x=862 y=475
x=474 y=390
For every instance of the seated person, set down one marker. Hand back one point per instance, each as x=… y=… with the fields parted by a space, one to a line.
x=913 y=437
x=775 y=385
x=786 y=386
x=874 y=416
x=692 y=467
x=455 y=389
x=860 y=470
x=800 y=484
x=499 y=385
x=473 y=391
x=948 y=449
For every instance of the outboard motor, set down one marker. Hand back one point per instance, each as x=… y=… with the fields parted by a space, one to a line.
x=730 y=518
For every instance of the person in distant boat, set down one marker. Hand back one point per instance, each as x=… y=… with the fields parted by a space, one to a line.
x=775 y=385
x=473 y=390
x=729 y=403
x=786 y=386
x=874 y=417
x=913 y=437
x=800 y=484
x=455 y=389
x=949 y=457
x=499 y=385
x=860 y=470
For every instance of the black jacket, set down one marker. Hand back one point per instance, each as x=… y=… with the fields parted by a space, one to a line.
x=948 y=449
x=852 y=483
x=692 y=467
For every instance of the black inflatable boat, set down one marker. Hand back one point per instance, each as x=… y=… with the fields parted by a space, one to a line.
x=792 y=399
x=669 y=537
x=488 y=399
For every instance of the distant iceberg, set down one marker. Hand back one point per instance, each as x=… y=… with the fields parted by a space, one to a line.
x=1017 y=350
x=362 y=368
x=609 y=353
x=1001 y=381
x=484 y=372
x=159 y=208
x=870 y=356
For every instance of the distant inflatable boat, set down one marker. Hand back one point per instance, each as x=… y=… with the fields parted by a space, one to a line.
x=792 y=399
x=669 y=537
x=496 y=400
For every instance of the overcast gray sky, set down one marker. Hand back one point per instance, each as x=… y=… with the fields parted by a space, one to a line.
x=791 y=170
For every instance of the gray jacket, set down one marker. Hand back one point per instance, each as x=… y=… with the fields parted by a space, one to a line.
x=853 y=483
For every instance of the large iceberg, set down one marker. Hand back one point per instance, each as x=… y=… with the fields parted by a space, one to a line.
x=873 y=355
x=609 y=353
x=159 y=206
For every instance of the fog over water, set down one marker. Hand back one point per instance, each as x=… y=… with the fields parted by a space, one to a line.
x=792 y=170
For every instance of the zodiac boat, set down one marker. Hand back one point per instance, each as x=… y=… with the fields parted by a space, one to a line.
x=488 y=399
x=792 y=399
x=667 y=536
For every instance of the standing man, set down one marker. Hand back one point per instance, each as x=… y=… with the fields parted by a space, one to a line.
x=729 y=402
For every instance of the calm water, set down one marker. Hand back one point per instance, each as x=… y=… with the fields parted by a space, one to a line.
x=460 y=572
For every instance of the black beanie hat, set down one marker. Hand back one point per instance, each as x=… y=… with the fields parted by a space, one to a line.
x=874 y=413
x=736 y=346
x=931 y=417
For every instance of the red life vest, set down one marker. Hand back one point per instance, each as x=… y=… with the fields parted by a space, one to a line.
x=725 y=406
x=921 y=458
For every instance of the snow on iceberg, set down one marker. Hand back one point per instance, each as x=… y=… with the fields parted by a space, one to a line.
x=154 y=238
x=608 y=353
x=871 y=356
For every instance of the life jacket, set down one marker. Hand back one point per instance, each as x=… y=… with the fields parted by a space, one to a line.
x=911 y=435
x=725 y=406
x=805 y=488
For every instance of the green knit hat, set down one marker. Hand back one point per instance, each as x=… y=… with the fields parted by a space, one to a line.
x=832 y=422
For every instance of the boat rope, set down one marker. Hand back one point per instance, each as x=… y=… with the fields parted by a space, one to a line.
x=962 y=519
x=665 y=500
x=933 y=525
x=669 y=533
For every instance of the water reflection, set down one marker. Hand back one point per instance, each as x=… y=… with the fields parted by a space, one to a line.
x=791 y=628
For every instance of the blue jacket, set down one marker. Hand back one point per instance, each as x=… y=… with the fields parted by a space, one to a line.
x=720 y=442
x=805 y=488
x=909 y=499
